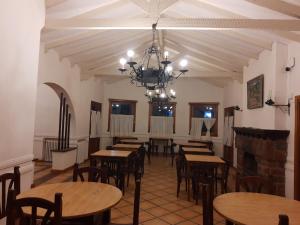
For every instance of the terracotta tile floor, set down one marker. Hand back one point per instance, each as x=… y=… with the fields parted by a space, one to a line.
x=159 y=204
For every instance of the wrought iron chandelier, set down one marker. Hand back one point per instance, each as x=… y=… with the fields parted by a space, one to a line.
x=154 y=71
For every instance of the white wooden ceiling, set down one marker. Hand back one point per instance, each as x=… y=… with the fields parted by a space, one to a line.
x=218 y=37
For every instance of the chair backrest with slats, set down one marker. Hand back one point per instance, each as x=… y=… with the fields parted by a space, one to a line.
x=93 y=174
x=9 y=181
x=15 y=214
x=250 y=183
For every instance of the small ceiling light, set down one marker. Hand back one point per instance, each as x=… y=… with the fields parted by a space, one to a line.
x=169 y=69
x=163 y=95
x=183 y=63
x=130 y=53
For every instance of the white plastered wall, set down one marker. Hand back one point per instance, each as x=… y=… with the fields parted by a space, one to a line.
x=20 y=26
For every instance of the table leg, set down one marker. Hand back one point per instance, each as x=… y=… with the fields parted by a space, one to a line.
x=121 y=177
x=106 y=217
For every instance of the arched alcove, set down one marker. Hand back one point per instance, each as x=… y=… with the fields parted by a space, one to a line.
x=47 y=114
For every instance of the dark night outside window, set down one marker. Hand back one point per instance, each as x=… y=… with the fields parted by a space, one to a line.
x=205 y=110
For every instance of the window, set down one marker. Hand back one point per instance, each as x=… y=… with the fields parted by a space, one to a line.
x=162 y=110
x=205 y=110
x=121 y=107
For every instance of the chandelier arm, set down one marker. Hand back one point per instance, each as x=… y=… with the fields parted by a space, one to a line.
x=176 y=77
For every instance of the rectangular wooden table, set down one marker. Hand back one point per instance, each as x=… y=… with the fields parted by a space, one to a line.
x=120 y=157
x=197 y=163
x=203 y=159
x=197 y=151
x=127 y=147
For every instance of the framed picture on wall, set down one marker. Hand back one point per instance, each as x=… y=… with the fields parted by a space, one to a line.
x=255 y=92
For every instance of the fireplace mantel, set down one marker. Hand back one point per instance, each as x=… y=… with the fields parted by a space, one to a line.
x=262 y=133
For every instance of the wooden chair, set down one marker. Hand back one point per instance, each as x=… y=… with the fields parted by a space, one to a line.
x=154 y=146
x=222 y=178
x=249 y=183
x=283 y=220
x=181 y=174
x=173 y=145
x=15 y=214
x=13 y=181
x=136 y=163
x=137 y=196
x=93 y=174
x=112 y=167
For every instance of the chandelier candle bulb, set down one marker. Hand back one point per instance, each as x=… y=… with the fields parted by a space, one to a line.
x=183 y=63
x=130 y=54
x=169 y=69
x=166 y=54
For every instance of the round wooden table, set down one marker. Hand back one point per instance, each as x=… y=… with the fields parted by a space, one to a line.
x=259 y=209
x=80 y=199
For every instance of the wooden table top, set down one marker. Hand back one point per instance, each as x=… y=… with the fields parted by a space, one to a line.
x=203 y=159
x=132 y=141
x=253 y=208
x=196 y=150
x=79 y=198
x=131 y=147
x=190 y=144
x=111 y=153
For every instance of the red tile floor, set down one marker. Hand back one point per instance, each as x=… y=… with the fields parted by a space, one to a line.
x=159 y=204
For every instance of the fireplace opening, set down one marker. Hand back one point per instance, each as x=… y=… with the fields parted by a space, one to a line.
x=250 y=164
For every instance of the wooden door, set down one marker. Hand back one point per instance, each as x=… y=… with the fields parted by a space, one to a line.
x=94 y=142
x=228 y=150
x=297 y=150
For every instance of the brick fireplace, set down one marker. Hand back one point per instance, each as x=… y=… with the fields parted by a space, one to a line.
x=263 y=152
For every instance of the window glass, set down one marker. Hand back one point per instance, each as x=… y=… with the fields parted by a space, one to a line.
x=205 y=110
x=121 y=108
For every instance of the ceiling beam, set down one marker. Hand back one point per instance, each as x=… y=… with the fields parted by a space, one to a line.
x=205 y=58
x=109 y=60
x=102 y=8
x=154 y=8
x=115 y=42
x=174 y=24
x=215 y=52
x=214 y=42
x=279 y=6
x=52 y=3
x=68 y=39
x=213 y=7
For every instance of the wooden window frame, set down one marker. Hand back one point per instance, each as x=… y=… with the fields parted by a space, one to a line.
x=173 y=104
x=121 y=101
x=215 y=131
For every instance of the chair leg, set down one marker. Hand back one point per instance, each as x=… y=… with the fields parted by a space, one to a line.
x=178 y=188
x=128 y=175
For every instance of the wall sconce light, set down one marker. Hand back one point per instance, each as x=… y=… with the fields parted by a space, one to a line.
x=270 y=102
x=289 y=68
x=237 y=108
